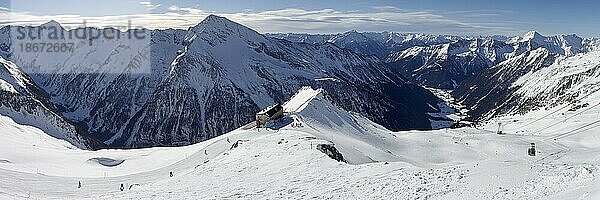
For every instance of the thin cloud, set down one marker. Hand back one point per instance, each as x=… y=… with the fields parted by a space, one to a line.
x=149 y=4
x=282 y=20
x=387 y=8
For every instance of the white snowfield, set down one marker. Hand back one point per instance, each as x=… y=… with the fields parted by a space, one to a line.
x=284 y=163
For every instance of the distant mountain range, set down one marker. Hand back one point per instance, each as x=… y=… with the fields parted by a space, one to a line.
x=443 y=61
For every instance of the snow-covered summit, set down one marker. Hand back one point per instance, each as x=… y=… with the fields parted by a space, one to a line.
x=51 y=23
x=567 y=45
x=215 y=29
x=532 y=35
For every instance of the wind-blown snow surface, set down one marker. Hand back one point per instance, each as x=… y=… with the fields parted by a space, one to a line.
x=284 y=163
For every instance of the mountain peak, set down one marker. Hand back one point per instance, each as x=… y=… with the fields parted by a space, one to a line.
x=216 y=21
x=51 y=23
x=216 y=29
x=532 y=35
x=213 y=17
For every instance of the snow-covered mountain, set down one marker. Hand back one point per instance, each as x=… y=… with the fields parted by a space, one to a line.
x=99 y=85
x=227 y=72
x=25 y=103
x=344 y=97
x=489 y=75
x=446 y=66
x=540 y=78
x=445 y=62
x=561 y=44
x=177 y=87
x=381 y=44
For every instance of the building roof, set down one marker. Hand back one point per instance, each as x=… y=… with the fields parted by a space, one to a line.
x=271 y=110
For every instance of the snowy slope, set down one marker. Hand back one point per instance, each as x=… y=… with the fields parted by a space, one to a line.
x=25 y=103
x=268 y=163
x=566 y=80
x=360 y=140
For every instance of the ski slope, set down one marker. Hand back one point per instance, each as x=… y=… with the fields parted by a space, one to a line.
x=282 y=162
x=300 y=99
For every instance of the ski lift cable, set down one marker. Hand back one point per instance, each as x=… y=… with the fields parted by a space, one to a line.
x=576 y=131
x=564 y=120
x=553 y=112
x=597 y=125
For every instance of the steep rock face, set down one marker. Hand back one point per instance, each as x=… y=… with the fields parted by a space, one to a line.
x=25 y=103
x=227 y=72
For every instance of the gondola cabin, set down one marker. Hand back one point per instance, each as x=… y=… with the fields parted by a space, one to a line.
x=272 y=112
x=531 y=150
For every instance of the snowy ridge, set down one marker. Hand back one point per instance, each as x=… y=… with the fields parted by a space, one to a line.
x=300 y=99
x=358 y=139
x=11 y=76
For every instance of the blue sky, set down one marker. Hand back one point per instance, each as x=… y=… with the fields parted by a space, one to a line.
x=461 y=17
